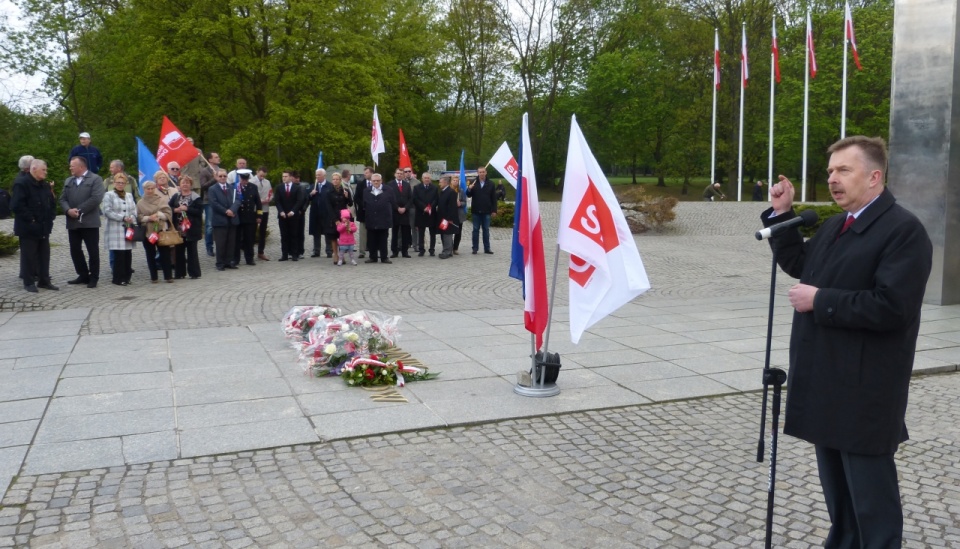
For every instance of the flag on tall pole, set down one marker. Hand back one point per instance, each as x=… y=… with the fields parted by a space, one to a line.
x=848 y=25
x=147 y=165
x=810 y=71
x=376 y=138
x=404 y=153
x=527 y=263
x=174 y=146
x=811 y=53
x=774 y=79
x=744 y=77
x=716 y=86
x=320 y=161
x=605 y=270
x=504 y=162
x=775 y=51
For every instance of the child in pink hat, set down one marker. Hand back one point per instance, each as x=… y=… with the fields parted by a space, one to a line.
x=346 y=227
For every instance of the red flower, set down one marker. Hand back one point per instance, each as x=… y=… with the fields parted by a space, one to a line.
x=368 y=373
x=374 y=357
x=399 y=364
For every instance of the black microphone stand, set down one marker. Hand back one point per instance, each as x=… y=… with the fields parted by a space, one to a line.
x=775 y=377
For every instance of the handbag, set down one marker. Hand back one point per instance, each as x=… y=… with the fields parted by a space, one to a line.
x=169 y=238
x=139 y=233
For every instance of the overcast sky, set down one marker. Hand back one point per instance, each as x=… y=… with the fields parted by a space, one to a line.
x=19 y=90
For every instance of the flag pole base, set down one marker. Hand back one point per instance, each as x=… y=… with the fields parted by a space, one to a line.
x=537 y=391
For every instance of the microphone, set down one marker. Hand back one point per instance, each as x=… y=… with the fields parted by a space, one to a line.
x=807 y=218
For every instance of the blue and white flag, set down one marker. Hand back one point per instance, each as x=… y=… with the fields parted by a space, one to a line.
x=320 y=161
x=463 y=183
x=147 y=165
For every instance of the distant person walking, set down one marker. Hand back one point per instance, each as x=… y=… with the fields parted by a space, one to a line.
x=712 y=192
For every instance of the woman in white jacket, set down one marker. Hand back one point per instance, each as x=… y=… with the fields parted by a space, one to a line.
x=121 y=212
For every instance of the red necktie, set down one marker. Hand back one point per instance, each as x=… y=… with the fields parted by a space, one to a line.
x=288 y=190
x=846 y=224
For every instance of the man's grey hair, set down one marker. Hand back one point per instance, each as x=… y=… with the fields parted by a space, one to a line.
x=118 y=162
x=173 y=164
x=37 y=163
x=24 y=163
x=321 y=171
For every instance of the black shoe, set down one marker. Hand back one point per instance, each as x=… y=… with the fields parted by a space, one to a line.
x=420 y=254
x=474 y=252
x=119 y=283
x=329 y=255
x=231 y=266
x=386 y=261
x=394 y=254
x=488 y=252
x=371 y=260
x=361 y=255
x=405 y=254
x=431 y=253
x=32 y=288
x=218 y=268
x=315 y=254
x=92 y=283
x=48 y=286
x=294 y=258
x=79 y=280
x=210 y=253
x=251 y=263
x=284 y=258
x=444 y=256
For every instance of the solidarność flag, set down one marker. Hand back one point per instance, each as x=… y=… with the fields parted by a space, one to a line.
x=813 y=55
x=504 y=162
x=606 y=271
x=744 y=68
x=174 y=146
x=716 y=59
x=376 y=138
x=776 y=52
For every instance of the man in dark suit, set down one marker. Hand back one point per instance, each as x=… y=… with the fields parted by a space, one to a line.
x=400 y=239
x=379 y=205
x=320 y=213
x=483 y=206
x=248 y=215
x=857 y=315
x=35 y=209
x=289 y=198
x=81 y=197
x=425 y=202
x=226 y=207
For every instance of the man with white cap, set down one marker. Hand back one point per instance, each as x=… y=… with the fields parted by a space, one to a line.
x=88 y=152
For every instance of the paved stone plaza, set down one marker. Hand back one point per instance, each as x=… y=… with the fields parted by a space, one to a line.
x=176 y=415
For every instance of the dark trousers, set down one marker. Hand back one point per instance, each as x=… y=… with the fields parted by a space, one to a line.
x=863 y=499
x=225 y=238
x=187 y=260
x=208 y=226
x=301 y=233
x=34 y=260
x=153 y=257
x=262 y=231
x=400 y=238
x=246 y=237
x=288 y=235
x=330 y=246
x=421 y=232
x=456 y=236
x=481 y=221
x=377 y=242
x=90 y=238
x=122 y=265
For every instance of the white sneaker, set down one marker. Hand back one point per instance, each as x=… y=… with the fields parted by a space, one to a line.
x=339 y=263
x=353 y=262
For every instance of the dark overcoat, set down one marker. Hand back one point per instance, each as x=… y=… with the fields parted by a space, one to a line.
x=852 y=356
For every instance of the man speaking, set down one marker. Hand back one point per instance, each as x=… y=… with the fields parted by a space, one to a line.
x=857 y=314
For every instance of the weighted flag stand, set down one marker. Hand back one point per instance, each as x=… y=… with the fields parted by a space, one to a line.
x=545 y=366
x=775 y=377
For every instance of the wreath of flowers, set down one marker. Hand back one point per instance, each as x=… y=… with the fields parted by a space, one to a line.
x=367 y=372
x=299 y=320
x=332 y=343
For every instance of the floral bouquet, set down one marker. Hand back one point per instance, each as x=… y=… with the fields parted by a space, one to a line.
x=366 y=372
x=299 y=320
x=332 y=342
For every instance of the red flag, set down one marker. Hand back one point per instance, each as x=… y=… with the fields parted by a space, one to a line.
x=776 y=52
x=848 y=23
x=744 y=68
x=404 y=154
x=716 y=59
x=810 y=51
x=174 y=146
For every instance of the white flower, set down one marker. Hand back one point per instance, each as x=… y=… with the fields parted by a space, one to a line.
x=330 y=349
x=351 y=336
x=366 y=324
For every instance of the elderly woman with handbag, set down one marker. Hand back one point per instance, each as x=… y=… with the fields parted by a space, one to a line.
x=154 y=212
x=187 y=211
x=118 y=236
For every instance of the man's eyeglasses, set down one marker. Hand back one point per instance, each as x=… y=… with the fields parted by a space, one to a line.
x=174 y=169
x=221 y=177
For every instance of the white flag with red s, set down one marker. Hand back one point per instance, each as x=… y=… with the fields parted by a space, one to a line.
x=606 y=271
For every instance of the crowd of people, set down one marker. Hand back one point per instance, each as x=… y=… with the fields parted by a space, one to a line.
x=349 y=217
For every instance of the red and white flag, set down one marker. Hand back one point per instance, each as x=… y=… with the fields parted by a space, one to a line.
x=716 y=59
x=526 y=258
x=376 y=138
x=404 y=154
x=744 y=67
x=174 y=146
x=775 y=49
x=848 y=25
x=606 y=271
x=504 y=162
x=810 y=50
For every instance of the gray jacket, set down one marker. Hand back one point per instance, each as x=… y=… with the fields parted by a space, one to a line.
x=86 y=196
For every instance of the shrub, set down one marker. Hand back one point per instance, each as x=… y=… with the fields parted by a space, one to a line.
x=644 y=212
x=9 y=244
x=824 y=212
x=504 y=216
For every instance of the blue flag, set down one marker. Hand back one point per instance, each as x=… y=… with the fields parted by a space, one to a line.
x=147 y=165
x=463 y=183
x=517 y=267
x=320 y=161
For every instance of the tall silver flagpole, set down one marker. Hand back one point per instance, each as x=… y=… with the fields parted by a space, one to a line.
x=743 y=77
x=806 y=105
x=843 y=101
x=713 y=137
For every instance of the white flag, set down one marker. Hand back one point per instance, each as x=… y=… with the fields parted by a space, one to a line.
x=376 y=138
x=504 y=162
x=605 y=267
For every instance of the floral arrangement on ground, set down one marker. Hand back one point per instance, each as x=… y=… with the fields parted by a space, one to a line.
x=356 y=347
